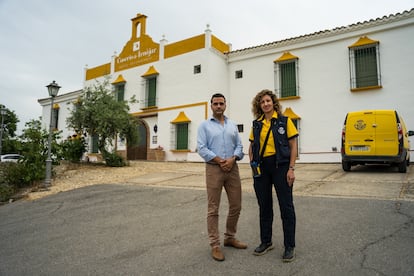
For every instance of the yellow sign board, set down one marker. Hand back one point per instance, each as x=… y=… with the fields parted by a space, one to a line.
x=137 y=52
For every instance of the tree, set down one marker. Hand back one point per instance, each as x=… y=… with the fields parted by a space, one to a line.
x=9 y=142
x=100 y=114
x=34 y=143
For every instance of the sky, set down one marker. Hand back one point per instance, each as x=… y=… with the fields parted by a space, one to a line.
x=46 y=40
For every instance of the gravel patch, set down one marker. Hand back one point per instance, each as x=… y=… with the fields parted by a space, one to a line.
x=73 y=176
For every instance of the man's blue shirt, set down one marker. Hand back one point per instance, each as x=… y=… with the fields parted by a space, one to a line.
x=215 y=139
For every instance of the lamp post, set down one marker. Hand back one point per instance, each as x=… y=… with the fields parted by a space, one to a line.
x=3 y=112
x=53 y=89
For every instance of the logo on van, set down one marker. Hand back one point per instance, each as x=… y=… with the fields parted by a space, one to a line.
x=360 y=125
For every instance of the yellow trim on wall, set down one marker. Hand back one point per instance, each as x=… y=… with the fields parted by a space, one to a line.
x=366 y=88
x=219 y=45
x=181 y=118
x=119 y=79
x=98 y=71
x=291 y=114
x=184 y=46
x=285 y=56
x=140 y=49
x=363 y=40
x=137 y=52
x=146 y=112
x=288 y=98
x=186 y=150
x=150 y=72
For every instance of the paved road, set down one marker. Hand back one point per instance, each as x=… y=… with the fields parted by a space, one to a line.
x=325 y=180
x=357 y=223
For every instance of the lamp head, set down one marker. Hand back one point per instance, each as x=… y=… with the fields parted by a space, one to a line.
x=53 y=89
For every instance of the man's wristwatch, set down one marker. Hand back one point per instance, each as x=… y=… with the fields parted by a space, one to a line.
x=291 y=168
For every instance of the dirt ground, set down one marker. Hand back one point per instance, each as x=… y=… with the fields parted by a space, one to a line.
x=311 y=179
x=72 y=176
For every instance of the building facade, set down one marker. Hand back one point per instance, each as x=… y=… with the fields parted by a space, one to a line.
x=318 y=78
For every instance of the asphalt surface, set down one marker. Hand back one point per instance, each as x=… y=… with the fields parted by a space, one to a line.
x=356 y=223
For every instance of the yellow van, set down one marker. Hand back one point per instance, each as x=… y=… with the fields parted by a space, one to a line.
x=375 y=137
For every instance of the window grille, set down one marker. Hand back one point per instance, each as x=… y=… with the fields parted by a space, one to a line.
x=364 y=66
x=119 y=91
x=197 y=69
x=151 y=92
x=286 y=76
x=239 y=74
x=182 y=136
x=288 y=79
x=240 y=128
x=94 y=143
x=55 y=120
x=296 y=123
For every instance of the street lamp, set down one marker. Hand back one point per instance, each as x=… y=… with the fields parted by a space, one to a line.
x=53 y=90
x=3 y=112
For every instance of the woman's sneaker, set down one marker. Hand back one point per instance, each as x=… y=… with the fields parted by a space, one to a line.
x=289 y=254
x=263 y=248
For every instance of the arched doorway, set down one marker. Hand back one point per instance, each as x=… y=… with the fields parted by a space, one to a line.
x=138 y=151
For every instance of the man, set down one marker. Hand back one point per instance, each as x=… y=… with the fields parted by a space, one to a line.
x=219 y=144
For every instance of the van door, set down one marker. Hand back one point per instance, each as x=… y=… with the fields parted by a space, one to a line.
x=360 y=133
x=386 y=133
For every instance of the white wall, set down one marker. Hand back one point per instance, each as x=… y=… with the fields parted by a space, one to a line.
x=324 y=86
x=65 y=102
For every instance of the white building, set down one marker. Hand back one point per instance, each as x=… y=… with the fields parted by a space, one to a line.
x=318 y=78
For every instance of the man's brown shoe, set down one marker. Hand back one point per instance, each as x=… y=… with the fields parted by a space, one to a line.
x=217 y=254
x=235 y=243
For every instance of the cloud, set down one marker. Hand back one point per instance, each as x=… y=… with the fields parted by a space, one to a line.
x=48 y=40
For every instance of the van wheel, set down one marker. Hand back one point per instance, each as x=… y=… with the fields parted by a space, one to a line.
x=402 y=167
x=346 y=166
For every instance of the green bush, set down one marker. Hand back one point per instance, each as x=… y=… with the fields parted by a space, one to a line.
x=33 y=145
x=73 y=148
x=114 y=160
x=6 y=192
x=12 y=178
x=14 y=174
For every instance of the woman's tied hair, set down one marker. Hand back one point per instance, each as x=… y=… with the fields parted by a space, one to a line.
x=257 y=111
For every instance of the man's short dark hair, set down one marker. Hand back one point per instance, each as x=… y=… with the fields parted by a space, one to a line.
x=217 y=95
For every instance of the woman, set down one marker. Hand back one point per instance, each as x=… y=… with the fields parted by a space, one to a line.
x=273 y=149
